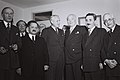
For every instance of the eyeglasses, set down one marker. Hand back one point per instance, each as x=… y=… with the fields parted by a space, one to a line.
x=110 y=19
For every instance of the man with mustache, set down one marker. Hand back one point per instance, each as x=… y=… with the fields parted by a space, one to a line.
x=93 y=50
x=34 y=54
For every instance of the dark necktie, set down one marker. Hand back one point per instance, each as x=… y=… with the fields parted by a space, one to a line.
x=33 y=38
x=8 y=27
x=56 y=29
x=67 y=33
x=110 y=32
x=22 y=34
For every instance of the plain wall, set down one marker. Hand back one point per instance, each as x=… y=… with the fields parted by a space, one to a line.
x=78 y=7
x=18 y=11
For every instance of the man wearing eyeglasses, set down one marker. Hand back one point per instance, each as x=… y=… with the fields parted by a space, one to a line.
x=113 y=50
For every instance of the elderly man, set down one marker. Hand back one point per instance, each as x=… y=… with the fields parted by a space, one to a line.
x=113 y=50
x=55 y=42
x=9 y=45
x=73 y=49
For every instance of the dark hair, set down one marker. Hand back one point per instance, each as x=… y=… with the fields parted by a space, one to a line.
x=21 y=21
x=32 y=21
x=5 y=9
x=91 y=14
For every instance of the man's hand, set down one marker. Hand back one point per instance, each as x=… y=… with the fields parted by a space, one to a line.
x=3 y=50
x=18 y=71
x=14 y=47
x=111 y=63
x=101 y=65
x=46 y=67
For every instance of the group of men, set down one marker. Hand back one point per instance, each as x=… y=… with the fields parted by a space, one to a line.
x=75 y=53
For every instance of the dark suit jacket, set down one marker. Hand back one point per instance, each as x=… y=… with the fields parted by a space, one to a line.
x=114 y=51
x=93 y=51
x=55 y=43
x=9 y=59
x=33 y=55
x=73 y=45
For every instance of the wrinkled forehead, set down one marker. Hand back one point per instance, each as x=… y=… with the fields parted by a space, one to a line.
x=71 y=17
x=8 y=10
x=107 y=17
x=55 y=18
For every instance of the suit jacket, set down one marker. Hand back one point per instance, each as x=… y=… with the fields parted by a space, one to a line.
x=55 y=43
x=73 y=45
x=10 y=58
x=94 y=51
x=114 y=51
x=33 y=55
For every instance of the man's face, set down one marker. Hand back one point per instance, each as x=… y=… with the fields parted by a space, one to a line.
x=56 y=21
x=33 y=29
x=8 y=15
x=90 y=22
x=108 y=21
x=22 y=26
x=71 y=21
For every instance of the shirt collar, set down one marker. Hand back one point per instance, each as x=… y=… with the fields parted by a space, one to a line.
x=72 y=28
x=30 y=35
x=90 y=30
x=54 y=28
x=6 y=23
x=113 y=28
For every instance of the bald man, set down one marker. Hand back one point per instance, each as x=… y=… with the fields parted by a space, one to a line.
x=9 y=45
x=113 y=50
x=55 y=42
x=73 y=49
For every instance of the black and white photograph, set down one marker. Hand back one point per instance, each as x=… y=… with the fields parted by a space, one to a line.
x=60 y=40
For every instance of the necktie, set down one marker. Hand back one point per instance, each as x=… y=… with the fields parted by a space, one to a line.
x=89 y=32
x=33 y=38
x=110 y=32
x=67 y=33
x=8 y=27
x=22 y=34
x=56 y=29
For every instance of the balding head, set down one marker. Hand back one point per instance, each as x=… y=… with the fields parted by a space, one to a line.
x=71 y=20
x=108 y=20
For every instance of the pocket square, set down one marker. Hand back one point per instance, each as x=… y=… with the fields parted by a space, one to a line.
x=77 y=32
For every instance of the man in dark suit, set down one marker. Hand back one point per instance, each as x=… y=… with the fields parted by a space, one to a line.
x=34 y=54
x=113 y=50
x=55 y=42
x=9 y=45
x=73 y=49
x=94 y=51
x=21 y=25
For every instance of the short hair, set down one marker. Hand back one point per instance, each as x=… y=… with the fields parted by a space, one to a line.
x=53 y=17
x=21 y=21
x=73 y=15
x=32 y=21
x=91 y=14
x=5 y=9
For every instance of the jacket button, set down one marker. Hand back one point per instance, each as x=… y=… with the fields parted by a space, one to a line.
x=73 y=49
x=115 y=43
x=115 y=52
x=90 y=49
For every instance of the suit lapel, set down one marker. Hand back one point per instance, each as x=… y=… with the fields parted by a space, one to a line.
x=73 y=33
x=92 y=35
x=115 y=33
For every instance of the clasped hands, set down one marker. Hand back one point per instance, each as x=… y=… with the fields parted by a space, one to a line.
x=3 y=50
x=111 y=63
